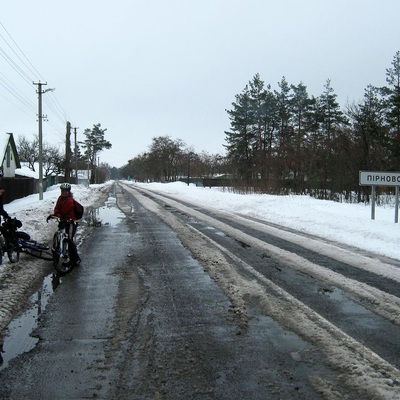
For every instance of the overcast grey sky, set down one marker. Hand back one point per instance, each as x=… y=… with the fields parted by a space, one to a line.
x=147 y=68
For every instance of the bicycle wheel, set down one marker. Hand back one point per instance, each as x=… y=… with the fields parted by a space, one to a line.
x=62 y=262
x=13 y=247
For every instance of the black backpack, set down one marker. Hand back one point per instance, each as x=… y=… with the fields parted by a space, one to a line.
x=78 y=209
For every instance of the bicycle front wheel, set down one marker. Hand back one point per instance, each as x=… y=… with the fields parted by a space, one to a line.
x=62 y=262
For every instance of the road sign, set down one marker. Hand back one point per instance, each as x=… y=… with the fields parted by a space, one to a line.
x=369 y=178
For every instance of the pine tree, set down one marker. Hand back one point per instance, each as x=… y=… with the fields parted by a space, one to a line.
x=94 y=144
x=258 y=109
x=302 y=118
x=332 y=120
x=392 y=96
x=369 y=131
x=285 y=143
x=240 y=138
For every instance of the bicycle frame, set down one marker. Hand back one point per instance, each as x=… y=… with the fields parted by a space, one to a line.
x=35 y=249
x=59 y=241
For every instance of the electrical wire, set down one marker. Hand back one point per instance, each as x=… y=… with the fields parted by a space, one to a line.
x=26 y=58
x=16 y=105
x=16 y=92
x=20 y=63
x=53 y=106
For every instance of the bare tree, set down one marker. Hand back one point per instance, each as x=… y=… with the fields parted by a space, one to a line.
x=28 y=151
x=52 y=160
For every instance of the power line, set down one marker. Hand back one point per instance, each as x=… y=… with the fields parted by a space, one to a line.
x=16 y=92
x=14 y=65
x=16 y=105
x=26 y=58
x=58 y=106
x=20 y=63
x=52 y=106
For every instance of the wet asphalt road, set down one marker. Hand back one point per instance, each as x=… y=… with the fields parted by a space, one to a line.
x=76 y=327
x=189 y=343
x=141 y=319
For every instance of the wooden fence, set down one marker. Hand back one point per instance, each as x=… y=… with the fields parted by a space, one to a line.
x=19 y=187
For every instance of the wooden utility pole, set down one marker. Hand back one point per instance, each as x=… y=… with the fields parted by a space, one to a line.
x=40 y=117
x=68 y=152
x=76 y=156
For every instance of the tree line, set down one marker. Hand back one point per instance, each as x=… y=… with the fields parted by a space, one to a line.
x=285 y=140
x=169 y=160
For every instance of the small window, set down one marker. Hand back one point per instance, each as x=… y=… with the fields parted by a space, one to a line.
x=8 y=155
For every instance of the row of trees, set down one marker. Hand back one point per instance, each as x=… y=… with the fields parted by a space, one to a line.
x=286 y=140
x=169 y=160
x=79 y=156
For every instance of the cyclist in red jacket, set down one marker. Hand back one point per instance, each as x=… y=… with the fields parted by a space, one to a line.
x=64 y=209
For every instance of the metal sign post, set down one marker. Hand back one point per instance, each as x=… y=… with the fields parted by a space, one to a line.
x=373 y=194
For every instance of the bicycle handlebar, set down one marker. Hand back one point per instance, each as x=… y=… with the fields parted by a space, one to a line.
x=58 y=219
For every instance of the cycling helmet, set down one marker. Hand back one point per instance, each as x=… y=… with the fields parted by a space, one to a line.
x=65 y=186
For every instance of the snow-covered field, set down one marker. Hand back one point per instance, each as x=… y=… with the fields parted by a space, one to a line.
x=350 y=224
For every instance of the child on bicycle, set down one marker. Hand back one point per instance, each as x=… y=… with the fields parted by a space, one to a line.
x=64 y=209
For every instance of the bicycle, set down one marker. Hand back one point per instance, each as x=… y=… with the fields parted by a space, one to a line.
x=14 y=242
x=64 y=254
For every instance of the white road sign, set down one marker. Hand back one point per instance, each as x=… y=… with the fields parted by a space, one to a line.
x=370 y=178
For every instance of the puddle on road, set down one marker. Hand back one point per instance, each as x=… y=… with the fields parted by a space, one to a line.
x=17 y=337
x=109 y=214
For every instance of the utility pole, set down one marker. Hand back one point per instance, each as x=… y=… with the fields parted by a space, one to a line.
x=76 y=156
x=67 y=168
x=40 y=117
